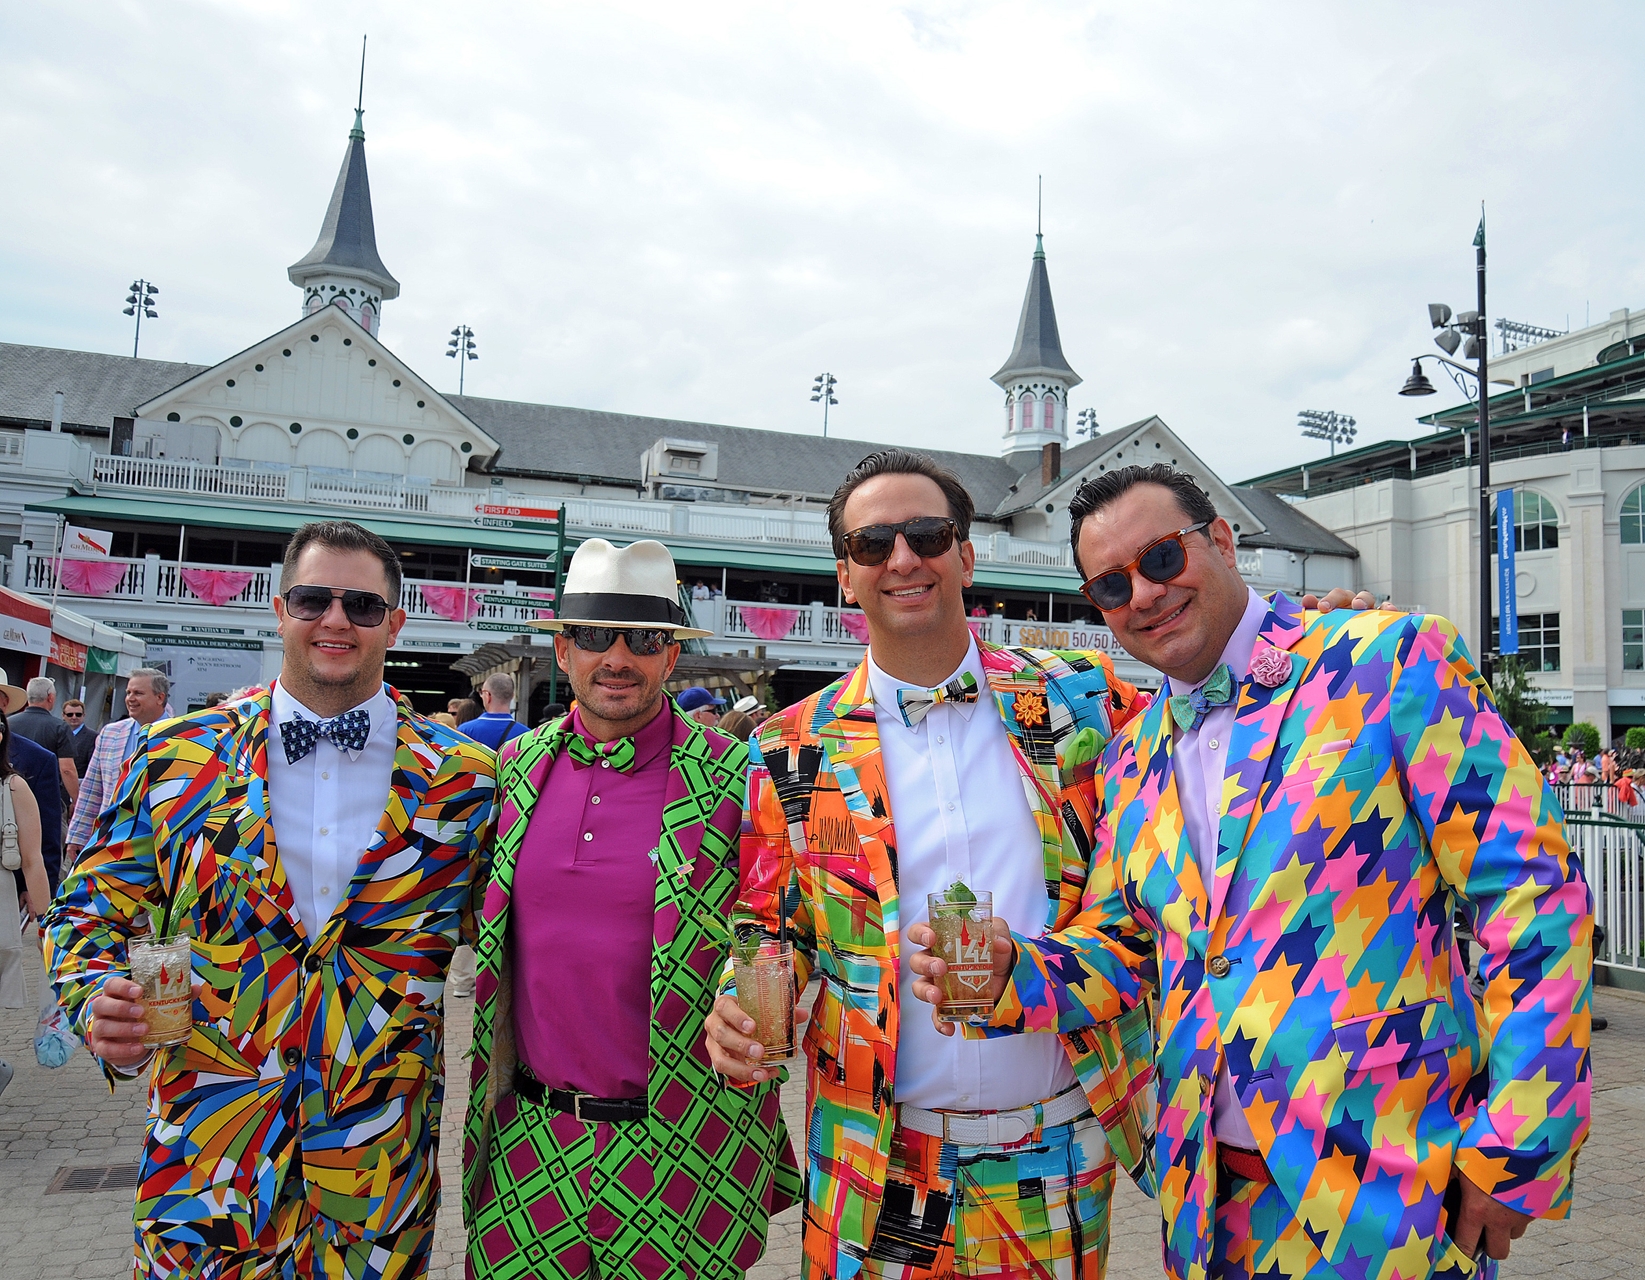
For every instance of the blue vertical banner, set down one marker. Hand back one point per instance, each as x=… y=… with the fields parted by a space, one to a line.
x=1507 y=595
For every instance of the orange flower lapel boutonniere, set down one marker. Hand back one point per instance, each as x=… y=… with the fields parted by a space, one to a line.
x=1029 y=709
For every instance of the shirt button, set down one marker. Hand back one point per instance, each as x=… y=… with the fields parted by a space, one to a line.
x=950 y=806
x=965 y=1097
x=325 y=891
x=588 y=835
x=325 y=831
x=594 y=800
x=940 y=739
x=1213 y=744
x=324 y=774
x=605 y=764
x=1219 y=966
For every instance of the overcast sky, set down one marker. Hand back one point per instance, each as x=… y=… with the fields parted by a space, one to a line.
x=689 y=210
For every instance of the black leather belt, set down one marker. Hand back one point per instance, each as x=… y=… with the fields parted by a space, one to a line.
x=585 y=1107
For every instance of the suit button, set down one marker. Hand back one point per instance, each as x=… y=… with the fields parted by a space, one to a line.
x=1219 y=966
x=312 y=964
x=293 y=1057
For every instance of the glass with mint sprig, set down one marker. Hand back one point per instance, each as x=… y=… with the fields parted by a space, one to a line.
x=763 y=968
x=959 y=916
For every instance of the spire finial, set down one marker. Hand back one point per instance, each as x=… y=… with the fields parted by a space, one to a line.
x=1039 y=221
x=359 y=130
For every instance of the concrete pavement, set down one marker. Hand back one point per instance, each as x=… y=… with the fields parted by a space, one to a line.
x=66 y=1119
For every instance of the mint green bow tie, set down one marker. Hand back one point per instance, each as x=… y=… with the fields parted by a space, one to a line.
x=1190 y=709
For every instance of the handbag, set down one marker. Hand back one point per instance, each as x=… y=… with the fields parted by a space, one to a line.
x=11 y=848
x=54 y=1037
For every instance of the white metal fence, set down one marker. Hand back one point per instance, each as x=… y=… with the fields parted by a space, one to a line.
x=1613 y=857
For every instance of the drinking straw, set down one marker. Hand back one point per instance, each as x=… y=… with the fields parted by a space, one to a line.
x=167 y=916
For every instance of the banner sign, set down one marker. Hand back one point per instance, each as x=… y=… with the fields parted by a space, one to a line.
x=496 y=516
x=68 y=654
x=83 y=543
x=1507 y=592
x=518 y=628
x=544 y=601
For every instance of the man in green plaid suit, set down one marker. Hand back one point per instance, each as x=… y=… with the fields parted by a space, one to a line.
x=599 y=1141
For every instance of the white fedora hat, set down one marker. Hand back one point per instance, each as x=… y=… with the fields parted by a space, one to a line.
x=632 y=586
x=12 y=699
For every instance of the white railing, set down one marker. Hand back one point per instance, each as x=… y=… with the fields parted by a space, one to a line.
x=373 y=492
x=150 y=581
x=1612 y=853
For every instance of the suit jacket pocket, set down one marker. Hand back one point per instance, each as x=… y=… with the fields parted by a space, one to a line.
x=1395 y=1035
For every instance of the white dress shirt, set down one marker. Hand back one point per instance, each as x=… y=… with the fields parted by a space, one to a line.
x=326 y=808
x=1200 y=759
x=960 y=812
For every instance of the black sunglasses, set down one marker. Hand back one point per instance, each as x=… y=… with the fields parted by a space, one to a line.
x=310 y=604
x=643 y=642
x=1159 y=562
x=927 y=536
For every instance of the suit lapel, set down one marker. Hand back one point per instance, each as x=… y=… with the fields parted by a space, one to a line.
x=1031 y=726
x=249 y=767
x=1261 y=710
x=1163 y=839
x=851 y=740
x=679 y=839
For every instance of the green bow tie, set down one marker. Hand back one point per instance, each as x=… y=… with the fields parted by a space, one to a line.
x=619 y=754
x=1190 y=709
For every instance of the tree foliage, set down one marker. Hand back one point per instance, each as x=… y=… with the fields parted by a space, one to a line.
x=1518 y=703
x=1634 y=739
x=1583 y=735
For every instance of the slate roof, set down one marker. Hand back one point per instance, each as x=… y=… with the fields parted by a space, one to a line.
x=1288 y=528
x=348 y=237
x=1039 y=348
x=96 y=387
x=554 y=440
x=1028 y=492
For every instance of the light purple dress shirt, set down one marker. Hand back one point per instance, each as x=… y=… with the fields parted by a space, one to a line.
x=1200 y=759
x=582 y=919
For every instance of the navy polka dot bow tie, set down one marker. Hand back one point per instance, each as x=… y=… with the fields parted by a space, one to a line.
x=348 y=732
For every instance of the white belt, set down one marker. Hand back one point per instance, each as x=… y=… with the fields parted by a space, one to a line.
x=995 y=1128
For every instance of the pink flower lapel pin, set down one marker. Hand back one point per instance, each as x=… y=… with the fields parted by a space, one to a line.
x=1270 y=667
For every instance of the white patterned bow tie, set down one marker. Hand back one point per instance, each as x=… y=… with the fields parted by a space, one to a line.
x=348 y=732
x=916 y=704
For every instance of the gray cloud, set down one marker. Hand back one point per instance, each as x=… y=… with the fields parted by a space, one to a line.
x=690 y=210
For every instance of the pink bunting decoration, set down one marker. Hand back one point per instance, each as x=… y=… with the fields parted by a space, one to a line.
x=459 y=604
x=216 y=586
x=857 y=625
x=90 y=577
x=769 y=624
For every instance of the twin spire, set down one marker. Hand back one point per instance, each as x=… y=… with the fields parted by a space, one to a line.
x=343 y=268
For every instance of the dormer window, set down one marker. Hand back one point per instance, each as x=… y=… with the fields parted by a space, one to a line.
x=681 y=462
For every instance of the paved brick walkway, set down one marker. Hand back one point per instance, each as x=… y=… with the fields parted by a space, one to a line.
x=52 y=1119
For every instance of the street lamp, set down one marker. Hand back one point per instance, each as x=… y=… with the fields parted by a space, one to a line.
x=140 y=303
x=461 y=349
x=1088 y=424
x=823 y=389
x=1327 y=424
x=1469 y=326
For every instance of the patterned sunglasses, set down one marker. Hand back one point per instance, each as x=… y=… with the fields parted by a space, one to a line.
x=1159 y=562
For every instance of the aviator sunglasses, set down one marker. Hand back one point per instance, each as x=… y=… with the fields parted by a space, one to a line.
x=362 y=608
x=927 y=536
x=643 y=642
x=1159 y=562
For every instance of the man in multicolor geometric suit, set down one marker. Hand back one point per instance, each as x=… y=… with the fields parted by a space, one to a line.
x=600 y=1143
x=937 y=759
x=321 y=843
x=1287 y=832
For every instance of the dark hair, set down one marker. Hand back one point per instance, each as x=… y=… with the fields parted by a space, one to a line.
x=1097 y=492
x=900 y=462
x=341 y=535
x=5 y=746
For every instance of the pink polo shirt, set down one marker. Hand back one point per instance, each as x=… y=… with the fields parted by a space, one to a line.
x=581 y=919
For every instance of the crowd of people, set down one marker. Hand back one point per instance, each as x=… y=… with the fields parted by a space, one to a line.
x=1220 y=958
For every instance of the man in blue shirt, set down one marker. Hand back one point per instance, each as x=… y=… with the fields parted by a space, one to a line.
x=39 y=769
x=498 y=724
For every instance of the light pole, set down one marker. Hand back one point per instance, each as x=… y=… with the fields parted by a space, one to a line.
x=461 y=349
x=823 y=389
x=140 y=303
x=1327 y=424
x=1469 y=324
x=1088 y=424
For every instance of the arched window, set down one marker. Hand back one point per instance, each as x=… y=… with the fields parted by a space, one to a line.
x=1050 y=412
x=1633 y=516
x=1536 y=522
